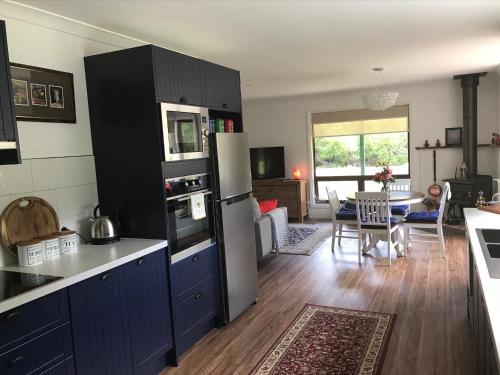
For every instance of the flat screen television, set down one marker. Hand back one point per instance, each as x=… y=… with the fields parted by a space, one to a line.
x=267 y=162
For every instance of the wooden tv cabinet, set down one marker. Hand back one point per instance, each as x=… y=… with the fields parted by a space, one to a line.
x=291 y=194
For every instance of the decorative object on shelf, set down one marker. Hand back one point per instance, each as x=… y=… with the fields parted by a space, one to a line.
x=296 y=173
x=384 y=177
x=438 y=143
x=453 y=136
x=480 y=199
x=495 y=140
x=219 y=125
x=42 y=94
x=426 y=144
x=228 y=126
x=463 y=170
x=380 y=100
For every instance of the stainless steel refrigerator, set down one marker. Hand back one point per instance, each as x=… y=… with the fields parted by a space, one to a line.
x=235 y=222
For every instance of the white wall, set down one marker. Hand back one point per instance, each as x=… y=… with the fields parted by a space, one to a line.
x=434 y=106
x=57 y=158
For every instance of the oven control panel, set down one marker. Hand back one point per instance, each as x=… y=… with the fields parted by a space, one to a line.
x=186 y=184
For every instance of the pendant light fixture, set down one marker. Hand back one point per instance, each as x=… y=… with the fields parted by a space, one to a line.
x=380 y=100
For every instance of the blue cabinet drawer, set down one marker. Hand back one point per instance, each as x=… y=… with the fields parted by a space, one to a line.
x=39 y=354
x=191 y=273
x=66 y=367
x=197 y=309
x=32 y=319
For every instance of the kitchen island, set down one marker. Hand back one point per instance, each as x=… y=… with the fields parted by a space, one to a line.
x=483 y=295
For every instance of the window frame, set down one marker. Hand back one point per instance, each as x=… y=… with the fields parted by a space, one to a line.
x=359 y=178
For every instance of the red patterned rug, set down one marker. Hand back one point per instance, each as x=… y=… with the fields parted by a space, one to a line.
x=326 y=340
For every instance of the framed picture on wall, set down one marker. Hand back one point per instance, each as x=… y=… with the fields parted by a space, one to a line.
x=453 y=136
x=43 y=94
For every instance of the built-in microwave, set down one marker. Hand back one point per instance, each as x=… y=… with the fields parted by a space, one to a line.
x=185 y=131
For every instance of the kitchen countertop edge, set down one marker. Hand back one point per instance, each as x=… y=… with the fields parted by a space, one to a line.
x=143 y=247
x=477 y=219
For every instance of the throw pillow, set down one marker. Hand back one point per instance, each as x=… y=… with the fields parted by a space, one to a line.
x=256 y=209
x=268 y=205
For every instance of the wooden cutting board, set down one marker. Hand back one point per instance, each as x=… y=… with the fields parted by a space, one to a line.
x=26 y=218
x=492 y=209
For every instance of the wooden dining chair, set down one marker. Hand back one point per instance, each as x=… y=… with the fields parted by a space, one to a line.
x=340 y=216
x=374 y=217
x=400 y=210
x=427 y=220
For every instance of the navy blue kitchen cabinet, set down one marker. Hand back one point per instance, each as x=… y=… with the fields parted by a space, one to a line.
x=31 y=319
x=222 y=87
x=195 y=287
x=101 y=338
x=179 y=78
x=121 y=319
x=144 y=283
x=38 y=354
x=66 y=367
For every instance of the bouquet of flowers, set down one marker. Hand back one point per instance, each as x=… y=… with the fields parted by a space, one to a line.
x=384 y=177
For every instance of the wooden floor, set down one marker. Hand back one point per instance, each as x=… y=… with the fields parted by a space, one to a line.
x=428 y=294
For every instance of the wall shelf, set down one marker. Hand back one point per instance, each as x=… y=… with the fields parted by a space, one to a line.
x=437 y=148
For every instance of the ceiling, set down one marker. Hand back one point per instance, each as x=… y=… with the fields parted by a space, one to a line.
x=291 y=47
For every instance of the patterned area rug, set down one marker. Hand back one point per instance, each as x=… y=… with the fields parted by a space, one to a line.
x=330 y=341
x=304 y=239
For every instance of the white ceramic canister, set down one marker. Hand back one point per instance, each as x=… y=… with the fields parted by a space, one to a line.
x=30 y=253
x=50 y=246
x=68 y=242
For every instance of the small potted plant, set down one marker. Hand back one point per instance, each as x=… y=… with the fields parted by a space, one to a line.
x=384 y=177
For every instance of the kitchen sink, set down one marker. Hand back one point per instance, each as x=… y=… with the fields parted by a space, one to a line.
x=491 y=235
x=494 y=250
x=490 y=244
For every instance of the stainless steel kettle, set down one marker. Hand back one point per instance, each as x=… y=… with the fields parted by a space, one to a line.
x=104 y=229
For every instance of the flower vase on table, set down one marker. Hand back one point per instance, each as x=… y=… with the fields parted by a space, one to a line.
x=384 y=177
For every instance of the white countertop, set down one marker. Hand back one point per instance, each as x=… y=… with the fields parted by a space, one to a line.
x=90 y=260
x=476 y=219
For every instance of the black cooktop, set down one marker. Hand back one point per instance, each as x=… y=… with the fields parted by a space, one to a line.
x=14 y=283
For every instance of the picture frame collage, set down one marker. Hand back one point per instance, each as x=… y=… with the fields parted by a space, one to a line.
x=42 y=94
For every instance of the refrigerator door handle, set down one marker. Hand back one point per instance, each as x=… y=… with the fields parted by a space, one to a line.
x=237 y=198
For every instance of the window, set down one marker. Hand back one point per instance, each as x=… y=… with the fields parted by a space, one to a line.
x=350 y=146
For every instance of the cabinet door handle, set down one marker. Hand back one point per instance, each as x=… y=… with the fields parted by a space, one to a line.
x=197 y=296
x=196 y=258
x=183 y=100
x=141 y=261
x=105 y=276
x=16 y=360
x=224 y=105
x=12 y=315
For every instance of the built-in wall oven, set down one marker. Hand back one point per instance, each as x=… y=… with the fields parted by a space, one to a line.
x=185 y=131
x=186 y=234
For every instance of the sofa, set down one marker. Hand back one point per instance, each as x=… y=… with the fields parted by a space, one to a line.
x=263 y=230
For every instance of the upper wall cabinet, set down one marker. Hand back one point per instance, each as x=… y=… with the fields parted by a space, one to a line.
x=9 y=146
x=223 y=87
x=179 y=78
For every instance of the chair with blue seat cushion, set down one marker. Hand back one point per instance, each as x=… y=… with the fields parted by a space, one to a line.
x=400 y=210
x=340 y=216
x=400 y=185
x=374 y=218
x=428 y=220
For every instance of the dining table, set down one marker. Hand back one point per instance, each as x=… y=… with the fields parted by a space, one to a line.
x=396 y=198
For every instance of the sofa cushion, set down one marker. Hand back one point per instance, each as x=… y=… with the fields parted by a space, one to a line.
x=422 y=217
x=268 y=205
x=256 y=209
x=345 y=214
x=400 y=209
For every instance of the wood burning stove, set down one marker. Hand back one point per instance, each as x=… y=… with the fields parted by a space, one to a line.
x=464 y=191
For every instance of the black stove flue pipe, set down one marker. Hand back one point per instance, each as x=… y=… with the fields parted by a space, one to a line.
x=469 y=83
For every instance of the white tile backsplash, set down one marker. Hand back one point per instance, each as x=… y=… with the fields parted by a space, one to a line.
x=68 y=184
x=76 y=200
x=16 y=178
